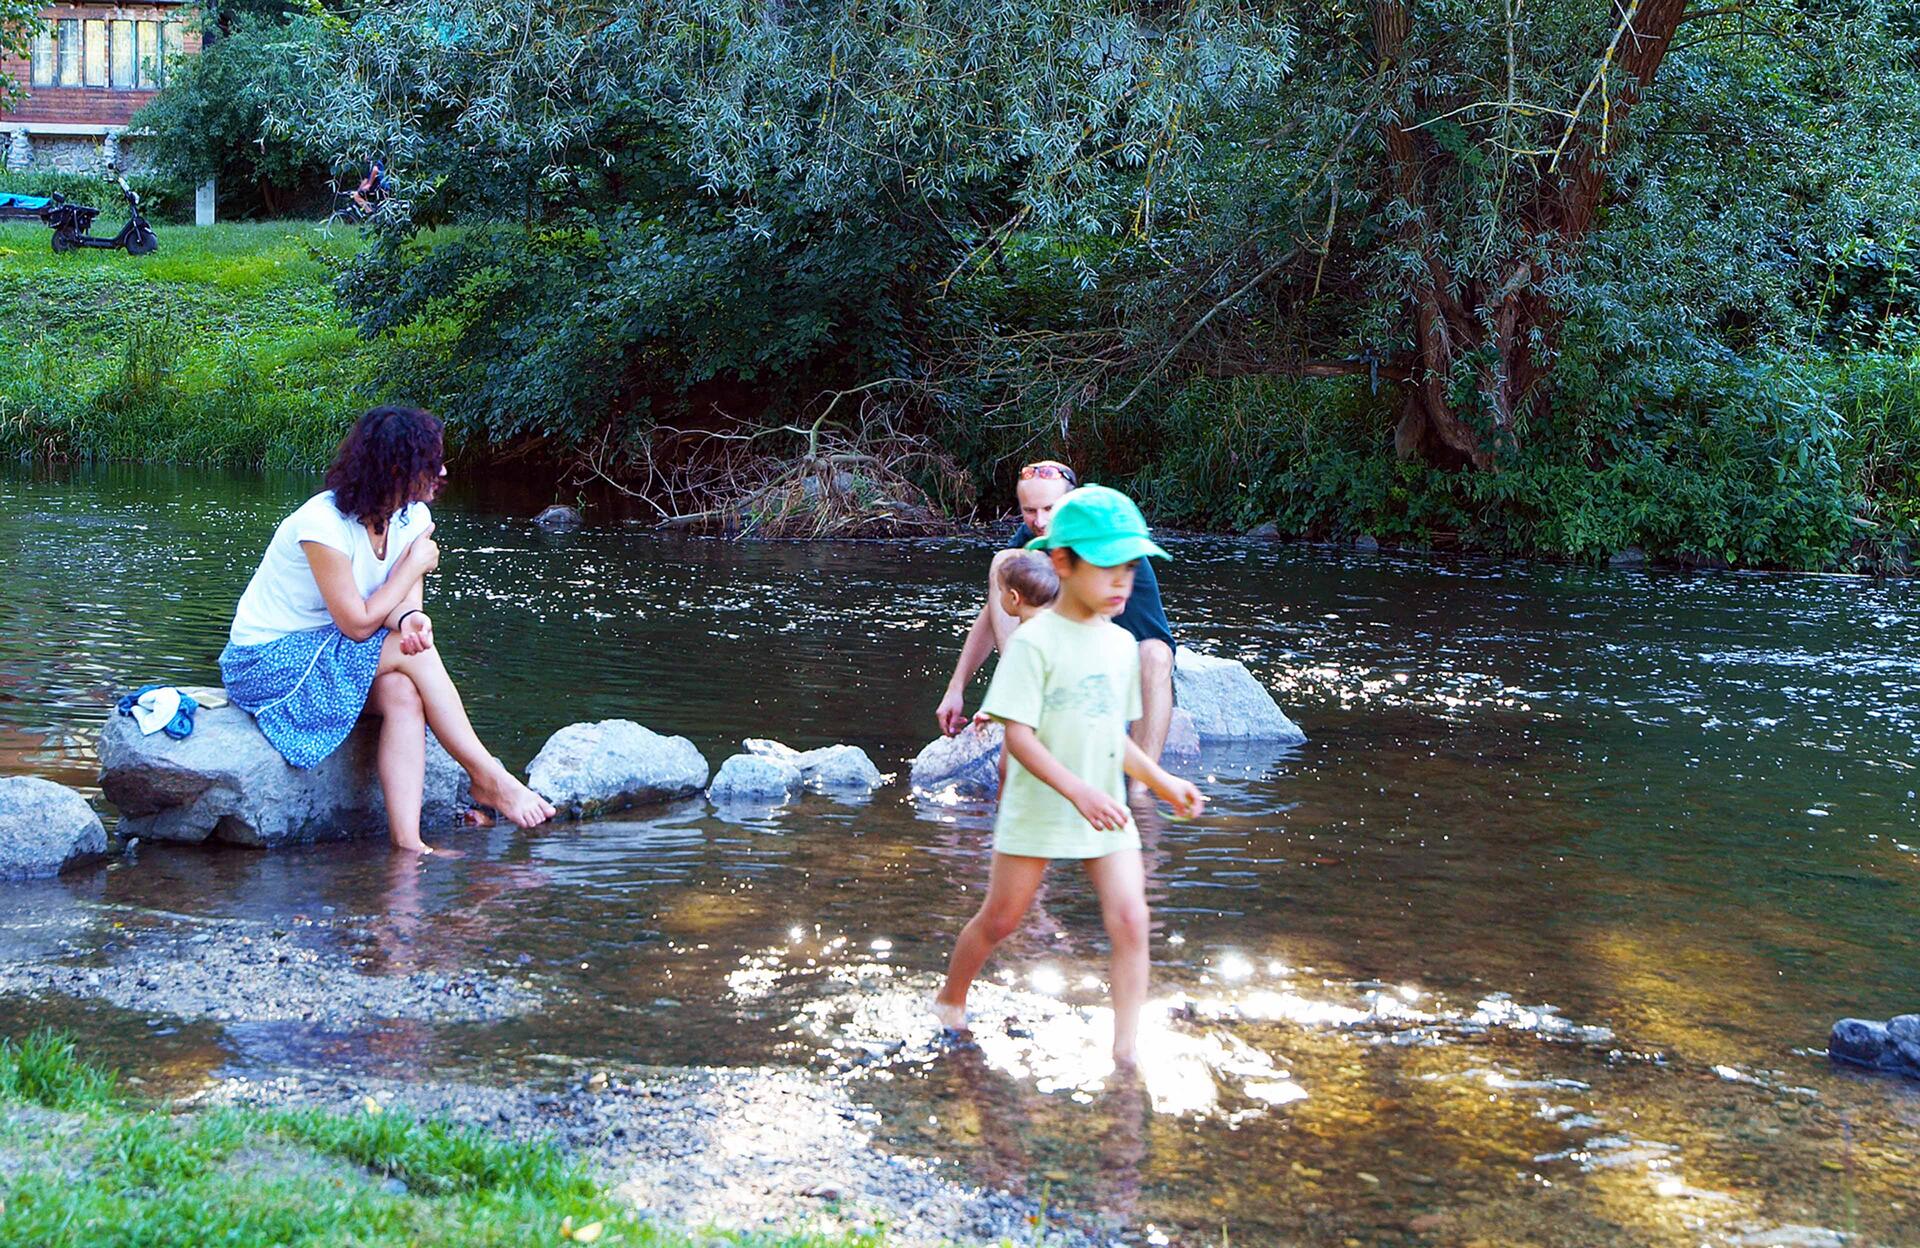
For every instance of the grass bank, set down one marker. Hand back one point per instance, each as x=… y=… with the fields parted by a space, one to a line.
x=223 y=348
x=81 y=1164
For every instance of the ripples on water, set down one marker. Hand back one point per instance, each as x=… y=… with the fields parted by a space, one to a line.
x=1532 y=942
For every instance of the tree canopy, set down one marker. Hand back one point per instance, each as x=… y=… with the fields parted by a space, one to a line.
x=1514 y=226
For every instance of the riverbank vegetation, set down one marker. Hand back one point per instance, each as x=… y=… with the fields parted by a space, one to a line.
x=87 y=1165
x=225 y=348
x=1549 y=278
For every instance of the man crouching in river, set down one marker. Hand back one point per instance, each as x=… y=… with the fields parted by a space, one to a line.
x=1041 y=486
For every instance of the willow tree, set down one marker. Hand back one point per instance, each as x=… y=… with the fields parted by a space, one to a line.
x=740 y=206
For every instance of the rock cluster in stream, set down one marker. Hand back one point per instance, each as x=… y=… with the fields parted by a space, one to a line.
x=1892 y=1046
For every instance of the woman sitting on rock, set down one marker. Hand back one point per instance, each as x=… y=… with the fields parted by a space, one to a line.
x=331 y=625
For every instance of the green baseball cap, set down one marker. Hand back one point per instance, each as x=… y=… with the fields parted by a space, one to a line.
x=1100 y=525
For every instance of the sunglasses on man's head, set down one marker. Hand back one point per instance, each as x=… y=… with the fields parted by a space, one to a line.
x=1048 y=470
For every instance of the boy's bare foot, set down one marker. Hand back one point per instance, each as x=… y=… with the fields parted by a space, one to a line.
x=1126 y=1061
x=952 y=1017
x=521 y=805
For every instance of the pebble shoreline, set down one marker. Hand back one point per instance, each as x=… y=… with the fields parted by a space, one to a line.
x=736 y=1149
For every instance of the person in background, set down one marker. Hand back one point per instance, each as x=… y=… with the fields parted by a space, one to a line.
x=1039 y=489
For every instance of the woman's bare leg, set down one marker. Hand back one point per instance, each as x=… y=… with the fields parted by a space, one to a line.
x=403 y=756
x=493 y=784
x=1121 y=882
x=1010 y=888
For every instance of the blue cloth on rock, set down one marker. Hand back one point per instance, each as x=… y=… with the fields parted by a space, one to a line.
x=181 y=726
x=305 y=690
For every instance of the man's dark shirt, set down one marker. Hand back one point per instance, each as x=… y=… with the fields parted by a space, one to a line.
x=1144 y=617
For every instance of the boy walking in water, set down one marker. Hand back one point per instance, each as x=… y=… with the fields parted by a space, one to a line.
x=1067 y=685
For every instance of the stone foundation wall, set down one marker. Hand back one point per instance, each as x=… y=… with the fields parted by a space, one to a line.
x=69 y=153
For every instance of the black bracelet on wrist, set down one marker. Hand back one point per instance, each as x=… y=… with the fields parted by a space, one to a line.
x=403 y=617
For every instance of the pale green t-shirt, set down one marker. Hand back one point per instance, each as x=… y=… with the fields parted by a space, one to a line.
x=1078 y=687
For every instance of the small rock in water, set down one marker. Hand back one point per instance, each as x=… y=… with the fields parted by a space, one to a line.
x=1631 y=557
x=1265 y=532
x=756 y=778
x=1892 y=1047
x=589 y=769
x=1226 y=702
x=830 y=769
x=43 y=827
x=558 y=517
x=1367 y=544
x=965 y=764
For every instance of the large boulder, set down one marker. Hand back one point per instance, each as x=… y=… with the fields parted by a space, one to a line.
x=843 y=769
x=43 y=827
x=591 y=769
x=1227 y=703
x=226 y=782
x=966 y=764
x=756 y=779
x=1892 y=1046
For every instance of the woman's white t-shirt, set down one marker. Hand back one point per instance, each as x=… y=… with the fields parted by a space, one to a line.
x=284 y=598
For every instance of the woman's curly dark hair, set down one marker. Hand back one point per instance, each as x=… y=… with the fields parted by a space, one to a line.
x=390 y=459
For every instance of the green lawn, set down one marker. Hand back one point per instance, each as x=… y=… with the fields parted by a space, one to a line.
x=81 y=1165
x=224 y=347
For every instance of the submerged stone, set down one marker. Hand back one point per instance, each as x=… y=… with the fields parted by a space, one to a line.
x=830 y=769
x=1227 y=703
x=559 y=517
x=1892 y=1047
x=756 y=778
x=43 y=827
x=591 y=769
x=226 y=782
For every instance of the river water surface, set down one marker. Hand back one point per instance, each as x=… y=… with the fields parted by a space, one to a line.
x=1536 y=940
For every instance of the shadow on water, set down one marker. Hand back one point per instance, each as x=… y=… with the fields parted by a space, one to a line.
x=1535 y=941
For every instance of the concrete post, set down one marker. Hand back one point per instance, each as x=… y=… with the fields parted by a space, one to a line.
x=19 y=151
x=110 y=150
x=203 y=204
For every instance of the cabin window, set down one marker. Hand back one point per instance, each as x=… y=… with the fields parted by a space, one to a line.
x=96 y=54
x=121 y=56
x=148 y=71
x=46 y=54
x=70 y=52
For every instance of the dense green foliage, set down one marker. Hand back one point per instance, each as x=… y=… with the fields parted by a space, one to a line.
x=211 y=123
x=162 y=198
x=106 y=1173
x=224 y=347
x=1553 y=277
x=17 y=18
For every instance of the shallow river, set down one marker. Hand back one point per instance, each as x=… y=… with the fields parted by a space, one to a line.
x=1535 y=941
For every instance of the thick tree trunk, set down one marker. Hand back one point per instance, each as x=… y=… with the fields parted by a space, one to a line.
x=1506 y=324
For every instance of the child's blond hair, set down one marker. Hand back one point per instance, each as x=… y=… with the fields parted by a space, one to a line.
x=1031 y=575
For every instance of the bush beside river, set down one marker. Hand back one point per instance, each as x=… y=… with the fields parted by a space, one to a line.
x=228 y=348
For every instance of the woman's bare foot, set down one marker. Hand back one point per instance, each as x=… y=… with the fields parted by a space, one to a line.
x=425 y=850
x=951 y=1017
x=521 y=805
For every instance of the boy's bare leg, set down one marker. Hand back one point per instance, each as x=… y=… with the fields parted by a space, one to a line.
x=1156 y=704
x=1011 y=885
x=1121 y=882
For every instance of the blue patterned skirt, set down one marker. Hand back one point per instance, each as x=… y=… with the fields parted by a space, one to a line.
x=306 y=690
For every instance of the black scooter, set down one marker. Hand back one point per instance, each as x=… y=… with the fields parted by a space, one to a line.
x=72 y=222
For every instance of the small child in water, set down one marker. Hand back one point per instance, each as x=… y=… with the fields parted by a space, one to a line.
x=1028 y=586
x=1066 y=689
